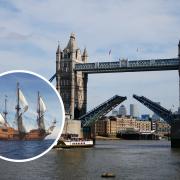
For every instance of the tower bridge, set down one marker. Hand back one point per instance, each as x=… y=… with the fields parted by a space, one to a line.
x=72 y=71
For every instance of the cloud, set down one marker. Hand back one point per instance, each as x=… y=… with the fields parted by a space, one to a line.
x=8 y=5
x=16 y=36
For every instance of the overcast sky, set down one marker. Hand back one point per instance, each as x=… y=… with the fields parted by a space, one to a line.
x=30 y=30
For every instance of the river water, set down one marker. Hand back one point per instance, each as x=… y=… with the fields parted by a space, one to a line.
x=19 y=150
x=131 y=160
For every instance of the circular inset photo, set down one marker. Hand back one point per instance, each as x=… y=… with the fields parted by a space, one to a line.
x=31 y=116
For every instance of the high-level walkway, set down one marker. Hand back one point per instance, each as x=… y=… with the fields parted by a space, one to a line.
x=129 y=66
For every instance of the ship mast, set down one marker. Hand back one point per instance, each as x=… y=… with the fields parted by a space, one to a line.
x=18 y=108
x=21 y=108
x=5 y=110
x=38 y=110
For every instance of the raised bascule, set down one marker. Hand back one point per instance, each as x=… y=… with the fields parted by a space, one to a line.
x=171 y=118
x=71 y=75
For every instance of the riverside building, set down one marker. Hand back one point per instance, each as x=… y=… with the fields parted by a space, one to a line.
x=110 y=126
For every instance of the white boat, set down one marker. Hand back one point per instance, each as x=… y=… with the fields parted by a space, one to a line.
x=74 y=143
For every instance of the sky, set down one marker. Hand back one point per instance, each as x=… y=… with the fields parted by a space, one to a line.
x=29 y=86
x=30 y=31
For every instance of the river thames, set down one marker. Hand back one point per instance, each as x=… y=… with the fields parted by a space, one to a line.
x=131 y=160
x=18 y=150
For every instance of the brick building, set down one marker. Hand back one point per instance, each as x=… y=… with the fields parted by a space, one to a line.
x=111 y=125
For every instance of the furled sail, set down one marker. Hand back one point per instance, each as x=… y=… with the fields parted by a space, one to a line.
x=23 y=101
x=42 y=105
x=2 y=120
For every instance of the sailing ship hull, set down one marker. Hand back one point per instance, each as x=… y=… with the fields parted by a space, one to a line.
x=36 y=134
x=12 y=134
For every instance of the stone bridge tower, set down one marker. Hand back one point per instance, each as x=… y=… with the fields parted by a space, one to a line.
x=71 y=85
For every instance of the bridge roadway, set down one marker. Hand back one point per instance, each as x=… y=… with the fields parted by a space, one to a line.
x=129 y=66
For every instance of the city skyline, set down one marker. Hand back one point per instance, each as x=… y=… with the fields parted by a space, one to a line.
x=30 y=32
x=126 y=111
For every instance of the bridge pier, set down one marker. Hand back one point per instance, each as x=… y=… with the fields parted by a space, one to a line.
x=89 y=133
x=179 y=91
x=179 y=74
x=175 y=126
x=175 y=133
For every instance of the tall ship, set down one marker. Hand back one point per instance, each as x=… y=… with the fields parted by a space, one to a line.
x=7 y=132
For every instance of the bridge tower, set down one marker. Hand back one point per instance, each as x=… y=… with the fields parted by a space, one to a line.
x=72 y=85
x=175 y=126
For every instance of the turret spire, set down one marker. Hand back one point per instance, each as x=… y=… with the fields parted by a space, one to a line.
x=58 y=65
x=72 y=45
x=58 y=49
x=85 y=55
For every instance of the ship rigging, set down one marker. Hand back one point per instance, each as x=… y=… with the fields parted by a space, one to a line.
x=9 y=133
